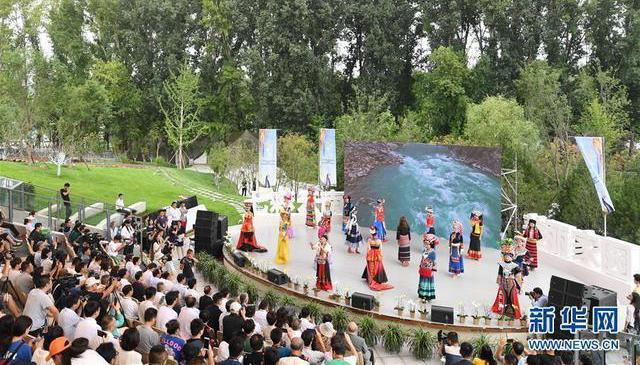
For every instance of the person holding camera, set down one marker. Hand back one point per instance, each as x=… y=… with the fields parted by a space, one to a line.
x=40 y=304
x=450 y=347
x=69 y=317
x=538 y=299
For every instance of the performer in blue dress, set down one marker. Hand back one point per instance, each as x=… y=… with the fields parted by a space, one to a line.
x=456 y=245
x=381 y=229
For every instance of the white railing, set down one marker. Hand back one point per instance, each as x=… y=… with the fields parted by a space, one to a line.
x=595 y=259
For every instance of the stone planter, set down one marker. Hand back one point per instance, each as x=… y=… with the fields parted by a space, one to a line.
x=523 y=323
x=306 y=290
x=337 y=298
x=347 y=300
x=316 y=291
x=412 y=314
x=296 y=287
x=476 y=321
x=423 y=315
x=501 y=322
x=511 y=322
x=462 y=319
x=487 y=321
x=289 y=285
x=400 y=311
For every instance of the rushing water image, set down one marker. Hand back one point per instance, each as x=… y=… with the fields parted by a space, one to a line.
x=412 y=176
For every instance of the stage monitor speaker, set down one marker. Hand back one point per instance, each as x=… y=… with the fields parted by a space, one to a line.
x=223 y=227
x=441 y=314
x=209 y=245
x=556 y=298
x=207 y=215
x=600 y=297
x=208 y=233
x=239 y=259
x=277 y=277
x=362 y=301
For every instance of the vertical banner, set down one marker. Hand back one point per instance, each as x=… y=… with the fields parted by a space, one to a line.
x=328 y=176
x=268 y=157
x=592 y=149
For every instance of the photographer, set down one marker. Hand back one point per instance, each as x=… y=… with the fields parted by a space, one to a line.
x=40 y=304
x=69 y=317
x=538 y=299
x=450 y=347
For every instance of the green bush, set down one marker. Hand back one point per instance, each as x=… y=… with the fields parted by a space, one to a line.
x=340 y=319
x=252 y=291
x=368 y=328
x=233 y=282
x=423 y=344
x=480 y=341
x=393 y=338
x=271 y=298
x=287 y=300
x=314 y=310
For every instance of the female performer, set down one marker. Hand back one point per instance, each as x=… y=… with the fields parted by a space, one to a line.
x=247 y=240
x=403 y=235
x=282 y=254
x=374 y=272
x=426 y=284
x=324 y=226
x=323 y=274
x=456 y=245
x=474 y=239
x=311 y=207
x=520 y=254
x=354 y=238
x=430 y=221
x=378 y=222
x=506 y=303
x=287 y=206
x=346 y=211
x=532 y=235
x=328 y=213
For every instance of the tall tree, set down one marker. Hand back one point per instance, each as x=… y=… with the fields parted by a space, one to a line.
x=181 y=109
x=562 y=34
x=298 y=160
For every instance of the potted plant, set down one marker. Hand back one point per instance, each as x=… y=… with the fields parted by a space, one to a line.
x=476 y=314
x=340 y=319
x=501 y=321
x=399 y=305
x=481 y=341
x=511 y=321
x=412 y=309
x=523 y=321
x=316 y=290
x=347 y=298
x=462 y=317
x=423 y=344
x=296 y=283
x=487 y=316
x=393 y=338
x=423 y=311
x=305 y=289
x=369 y=330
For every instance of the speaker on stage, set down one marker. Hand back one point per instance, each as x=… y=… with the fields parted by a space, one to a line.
x=207 y=215
x=209 y=245
x=206 y=232
x=189 y=202
x=562 y=293
x=362 y=301
x=239 y=259
x=277 y=277
x=222 y=227
x=441 y=314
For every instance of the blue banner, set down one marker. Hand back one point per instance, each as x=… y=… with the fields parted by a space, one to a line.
x=268 y=157
x=592 y=149
x=328 y=176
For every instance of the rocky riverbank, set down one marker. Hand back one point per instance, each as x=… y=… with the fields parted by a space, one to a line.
x=362 y=157
x=487 y=159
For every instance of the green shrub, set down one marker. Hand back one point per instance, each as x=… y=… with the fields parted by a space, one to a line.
x=393 y=338
x=252 y=291
x=233 y=282
x=288 y=300
x=480 y=341
x=423 y=344
x=315 y=311
x=340 y=319
x=271 y=298
x=368 y=328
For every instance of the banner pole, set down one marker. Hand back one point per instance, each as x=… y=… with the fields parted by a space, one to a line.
x=604 y=181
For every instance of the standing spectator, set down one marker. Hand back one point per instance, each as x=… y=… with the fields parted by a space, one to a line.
x=249 y=314
x=278 y=343
x=66 y=199
x=81 y=354
x=129 y=341
x=188 y=314
x=359 y=343
x=232 y=324
x=162 y=222
x=129 y=305
x=24 y=280
x=485 y=356
x=69 y=316
x=538 y=299
x=244 y=187
x=187 y=263
x=256 y=356
x=517 y=349
x=235 y=352
x=149 y=295
x=19 y=351
x=295 y=358
x=205 y=301
x=261 y=314
x=171 y=340
x=451 y=349
x=138 y=286
x=466 y=351
x=57 y=349
x=166 y=313
x=108 y=352
x=88 y=326
x=173 y=213
x=158 y=355
x=311 y=337
x=39 y=304
x=306 y=322
x=339 y=346
x=148 y=337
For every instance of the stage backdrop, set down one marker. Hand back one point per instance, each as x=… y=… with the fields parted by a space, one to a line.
x=327 y=154
x=268 y=158
x=454 y=180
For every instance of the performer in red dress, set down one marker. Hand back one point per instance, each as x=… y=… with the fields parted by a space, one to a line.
x=509 y=281
x=374 y=272
x=532 y=235
x=247 y=240
x=430 y=221
x=323 y=270
x=311 y=207
x=324 y=226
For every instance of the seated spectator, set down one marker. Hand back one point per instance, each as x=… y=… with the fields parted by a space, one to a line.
x=247 y=330
x=232 y=324
x=69 y=316
x=80 y=353
x=205 y=301
x=129 y=341
x=171 y=340
x=359 y=343
x=39 y=304
x=451 y=349
x=296 y=357
x=339 y=346
x=166 y=312
x=57 y=350
x=158 y=355
x=191 y=291
x=215 y=312
x=294 y=329
x=188 y=314
x=236 y=346
x=311 y=337
x=306 y=322
x=138 y=287
x=278 y=343
x=20 y=350
x=24 y=281
x=261 y=314
x=108 y=352
x=40 y=353
x=484 y=356
x=249 y=314
x=466 y=351
x=148 y=337
x=271 y=356
x=149 y=295
x=256 y=355
x=88 y=326
x=130 y=307
x=511 y=359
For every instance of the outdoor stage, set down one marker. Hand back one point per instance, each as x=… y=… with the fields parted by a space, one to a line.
x=476 y=286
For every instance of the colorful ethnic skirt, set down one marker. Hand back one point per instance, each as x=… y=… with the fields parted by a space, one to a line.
x=404 y=248
x=474 y=247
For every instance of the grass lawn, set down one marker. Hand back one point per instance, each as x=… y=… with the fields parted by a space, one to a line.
x=102 y=184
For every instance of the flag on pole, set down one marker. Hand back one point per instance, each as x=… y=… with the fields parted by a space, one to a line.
x=592 y=149
x=327 y=168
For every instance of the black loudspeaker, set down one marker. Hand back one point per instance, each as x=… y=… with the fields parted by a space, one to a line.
x=217 y=249
x=239 y=259
x=600 y=297
x=441 y=314
x=277 y=277
x=207 y=215
x=209 y=245
x=208 y=233
x=362 y=301
x=562 y=293
x=222 y=227
x=189 y=202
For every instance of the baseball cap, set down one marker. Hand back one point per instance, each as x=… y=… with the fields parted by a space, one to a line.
x=235 y=307
x=57 y=346
x=91 y=281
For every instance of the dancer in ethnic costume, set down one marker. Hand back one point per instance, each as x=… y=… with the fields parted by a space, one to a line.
x=354 y=238
x=374 y=271
x=426 y=284
x=324 y=226
x=287 y=206
x=322 y=250
x=378 y=222
x=532 y=235
x=430 y=221
x=507 y=303
x=247 y=240
x=311 y=207
x=282 y=254
x=346 y=212
x=520 y=254
x=456 y=246
x=403 y=235
x=476 y=233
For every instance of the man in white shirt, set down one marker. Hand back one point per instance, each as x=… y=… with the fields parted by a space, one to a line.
x=191 y=284
x=173 y=213
x=147 y=275
x=149 y=295
x=115 y=246
x=305 y=320
x=188 y=314
x=39 y=304
x=128 y=304
x=261 y=314
x=88 y=327
x=158 y=299
x=133 y=266
x=68 y=318
x=180 y=286
x=166 y=312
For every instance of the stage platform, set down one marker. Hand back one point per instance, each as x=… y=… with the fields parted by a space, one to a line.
x=476 y=287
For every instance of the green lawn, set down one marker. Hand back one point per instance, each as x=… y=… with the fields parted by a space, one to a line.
x=148 y=183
